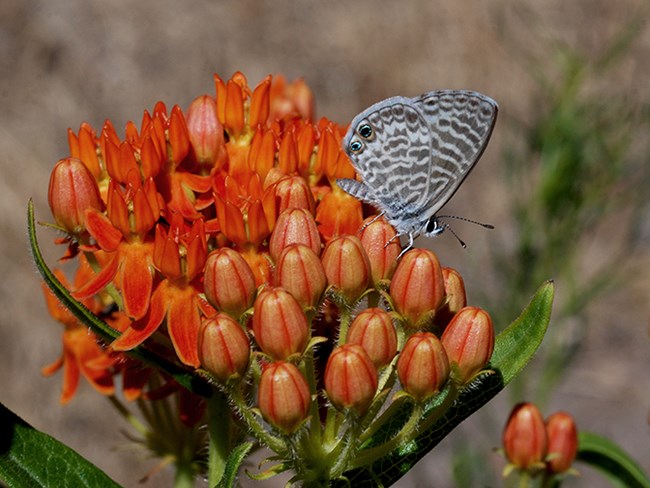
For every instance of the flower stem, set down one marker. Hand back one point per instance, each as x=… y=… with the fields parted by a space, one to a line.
x=219 y=427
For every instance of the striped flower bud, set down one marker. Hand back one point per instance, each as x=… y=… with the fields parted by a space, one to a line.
x=205 y=130
x=293 y=192
x=422 y=367
x=73 y=189
x=300 y=272
x=373 y=330
x=382 y=257
x=350 y=379
x=562 y=442
x=224 y=349
x=279 y=324
x=417 y=287
x=294 y=226
x=524 y=437
x=455 y=296
x=469 y=341
x=283 y=396
x=229 y=282
x=346 y=267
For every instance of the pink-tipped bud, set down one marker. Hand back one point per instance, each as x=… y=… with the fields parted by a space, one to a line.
x=382 y=257
x=417 y=287
x=469 y=341
x=224 y=349
x=524 y=437
x=455 y=293
x=229 y=282
x=373 y=330
x=205 y=130
x=283 y=396
x=294 y=226
x=562 y=442
x=301 y=273
x=280 y=326
x=347 y=267
x=294 y=192
x=422 y=367
x=73 y=189
x=350 y=379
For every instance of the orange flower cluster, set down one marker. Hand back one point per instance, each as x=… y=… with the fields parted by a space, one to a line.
x=200 y=230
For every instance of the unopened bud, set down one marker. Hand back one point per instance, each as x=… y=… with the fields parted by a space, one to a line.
x=294 y=226
x=422 y=366
x=373 y=330
x=382 y=257
x=562 y=442
x=224 y=349
x=524 y=437
x=301 y=273
x=350 y=379
x=283 y=396
x=347 y=267
x=229 y=282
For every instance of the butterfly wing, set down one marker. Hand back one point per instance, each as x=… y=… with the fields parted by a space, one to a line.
x=460 y=124
x=394 y=161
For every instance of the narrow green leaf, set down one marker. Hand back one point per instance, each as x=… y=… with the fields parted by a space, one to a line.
x=517 y=344
x=186 y=378
x=29 y=459
x=235 y=460
x=619 y=468
x=514 y=348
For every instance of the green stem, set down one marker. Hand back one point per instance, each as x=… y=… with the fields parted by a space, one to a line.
x=408 y=431
x=128 y=416
x=219 y=427
x=350 y=447
x=274 y=443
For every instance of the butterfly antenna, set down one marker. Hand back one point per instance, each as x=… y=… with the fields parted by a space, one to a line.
x=460 y=241
x=486 y=226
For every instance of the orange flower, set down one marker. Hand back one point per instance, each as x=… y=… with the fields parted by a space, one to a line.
x=82 y=354
x=124 y=235
x=176 y=297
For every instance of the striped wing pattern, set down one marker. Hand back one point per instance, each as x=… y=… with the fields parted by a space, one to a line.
x=418 y=152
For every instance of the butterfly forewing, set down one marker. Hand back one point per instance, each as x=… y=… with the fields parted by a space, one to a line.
x=461 y=123
x=394 y=160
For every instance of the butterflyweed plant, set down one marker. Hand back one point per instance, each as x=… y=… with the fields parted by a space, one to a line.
x=243 y=302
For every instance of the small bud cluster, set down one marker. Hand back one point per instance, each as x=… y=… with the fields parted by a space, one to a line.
x=535 y=447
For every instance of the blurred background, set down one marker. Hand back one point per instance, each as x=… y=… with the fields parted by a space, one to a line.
x=565 y=178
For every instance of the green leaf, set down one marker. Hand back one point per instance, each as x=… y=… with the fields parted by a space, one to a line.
x=183 y=376
x=619 y=468
x=514 y=347
x=235 y=460
x=29 y=459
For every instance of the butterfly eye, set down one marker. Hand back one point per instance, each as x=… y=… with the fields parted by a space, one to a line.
x=355 y=146
x=365 y=131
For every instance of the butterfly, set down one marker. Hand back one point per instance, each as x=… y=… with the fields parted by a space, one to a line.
x=412 y=154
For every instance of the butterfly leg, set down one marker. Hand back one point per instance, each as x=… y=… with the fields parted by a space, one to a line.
x=375 y=218
x=408 y=247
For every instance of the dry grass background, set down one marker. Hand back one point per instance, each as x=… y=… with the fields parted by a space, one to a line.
x=68 y=61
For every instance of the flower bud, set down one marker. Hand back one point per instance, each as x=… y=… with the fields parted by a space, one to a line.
x=283 y=396
x=301 y=273
x=293 y=192
x=373 y=330
x=229 y=282
x=279 y=324
x=455 y=293
x=294 y=226
x=417 y=287
x=205 y=130
x=422 y=366
x=346 y=267
x=350 y=379
x=382 y=257
x=224 y=349
x=469 y=341
x=524 y=437
x=562 y=442
x=73 y=189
